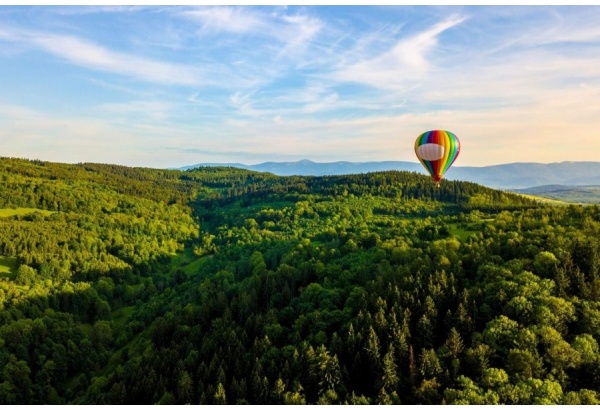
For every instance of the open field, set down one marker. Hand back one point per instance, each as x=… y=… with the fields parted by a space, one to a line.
x=545 y=200
x=188 y=262
x=585 y=194
x=463 y=234
x=7 y=266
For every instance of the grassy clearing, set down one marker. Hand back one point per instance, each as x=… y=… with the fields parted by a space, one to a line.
x=544 y=200
x=183 y=258
x=580 y=195
x=188 y=262
x=558 y=194
x=194 y=266
x=6 y=212
x=463 y=234
x=7 y=267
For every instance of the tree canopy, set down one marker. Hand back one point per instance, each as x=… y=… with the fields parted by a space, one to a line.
x=224 y=286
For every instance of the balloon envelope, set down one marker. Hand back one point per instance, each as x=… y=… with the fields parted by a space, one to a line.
x=437 y=150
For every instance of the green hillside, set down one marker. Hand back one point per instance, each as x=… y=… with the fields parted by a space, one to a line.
x=225 y=286
x=585 y=194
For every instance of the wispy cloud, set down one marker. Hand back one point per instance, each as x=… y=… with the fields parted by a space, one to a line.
x=90 y=55
x=276 y=23
x=309 y=99
x=8 y=35
x=87 y=54
x=226 y=19
x=566 y=27
x=293 y=32
x=297 y=33
x=243 y=104
x=404 y=62
x=299 y=82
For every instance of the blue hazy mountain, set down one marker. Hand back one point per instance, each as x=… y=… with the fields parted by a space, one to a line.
x=504 y=176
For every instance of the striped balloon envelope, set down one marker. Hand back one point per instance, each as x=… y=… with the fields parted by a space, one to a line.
x=437 y=150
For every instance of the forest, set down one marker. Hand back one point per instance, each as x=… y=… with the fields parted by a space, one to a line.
x=218 y=285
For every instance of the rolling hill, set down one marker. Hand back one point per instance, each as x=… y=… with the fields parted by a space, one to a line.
x=504 y=176
x=222 y=285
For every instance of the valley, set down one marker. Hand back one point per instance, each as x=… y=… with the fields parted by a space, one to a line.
x=220 y=285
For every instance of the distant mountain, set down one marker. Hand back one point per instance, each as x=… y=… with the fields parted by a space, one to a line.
x=307 y=167
x=505 y=176
x=566 y=193
x=529 y=174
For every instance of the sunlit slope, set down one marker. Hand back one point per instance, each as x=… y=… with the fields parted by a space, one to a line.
x=586 y=194
x=226 y=286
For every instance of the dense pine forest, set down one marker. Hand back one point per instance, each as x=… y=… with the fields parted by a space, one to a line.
x=218 y=285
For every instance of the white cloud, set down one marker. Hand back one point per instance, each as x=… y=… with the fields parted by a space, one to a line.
x=275 y=82
x=293 y=31
x=579 y=27
x=298 y=32
x=226 y=19
x=326 y=102
x=5 y=35
x=304 y=101
x=277 y=24
x=96 y=57
x=244 y=105
x=405 y=62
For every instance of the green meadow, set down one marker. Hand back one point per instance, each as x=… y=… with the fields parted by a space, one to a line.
x=7 y=266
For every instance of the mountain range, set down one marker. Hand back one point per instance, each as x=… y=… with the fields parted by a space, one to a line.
x=517 y=175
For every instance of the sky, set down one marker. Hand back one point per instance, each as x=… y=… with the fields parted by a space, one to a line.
x=179 y=85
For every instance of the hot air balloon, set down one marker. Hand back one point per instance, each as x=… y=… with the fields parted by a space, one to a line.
x=437 y=150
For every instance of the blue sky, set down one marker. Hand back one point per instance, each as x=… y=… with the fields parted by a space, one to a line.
x=173 y=86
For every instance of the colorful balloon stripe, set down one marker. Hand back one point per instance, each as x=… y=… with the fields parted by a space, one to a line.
x=451 y=148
